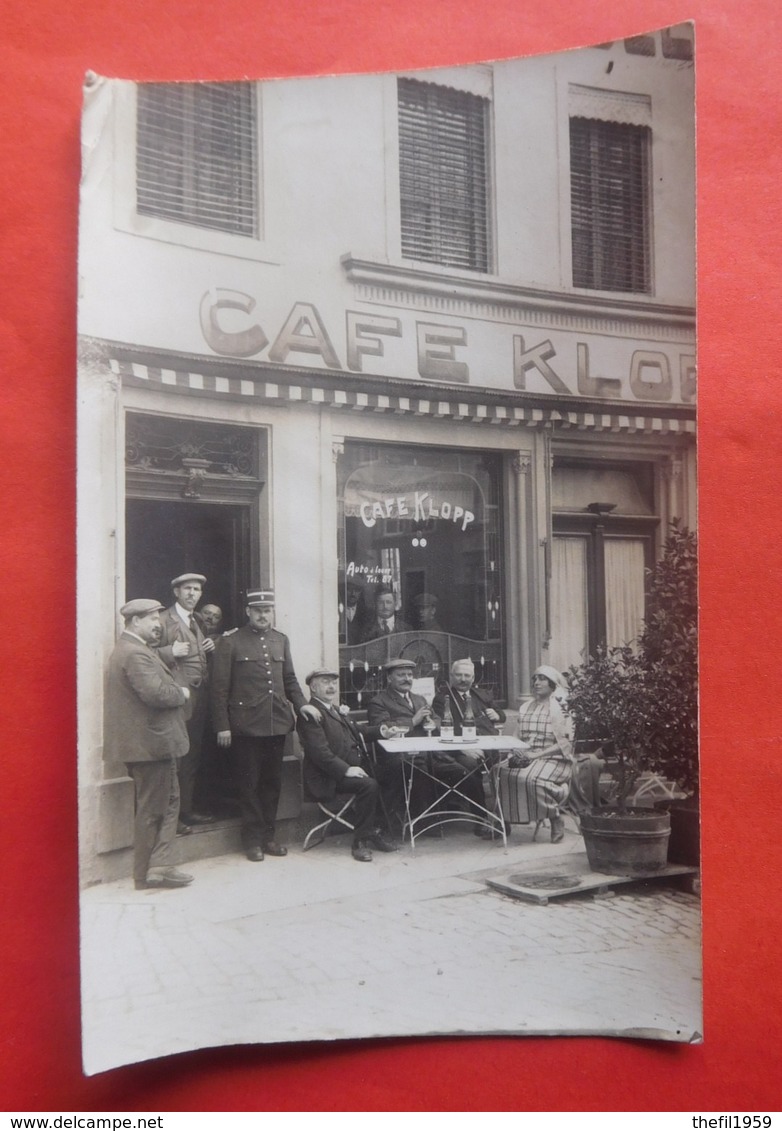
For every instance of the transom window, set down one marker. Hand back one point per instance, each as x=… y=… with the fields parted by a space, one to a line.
x=443 y=175
x=610 y=205
x=197 y=155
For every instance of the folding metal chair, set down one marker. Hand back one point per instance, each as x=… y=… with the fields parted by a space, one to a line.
x=334 y=812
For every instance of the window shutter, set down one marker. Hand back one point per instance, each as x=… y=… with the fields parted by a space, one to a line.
x=443 y=175
x=610 y=209
x=196 y=154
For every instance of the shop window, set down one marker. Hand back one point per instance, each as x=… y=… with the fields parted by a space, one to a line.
x=443 y=154
x=610 y=205
x=420 y=544
x=196 y=154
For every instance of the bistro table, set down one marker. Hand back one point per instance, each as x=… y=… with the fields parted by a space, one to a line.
x=416 y=759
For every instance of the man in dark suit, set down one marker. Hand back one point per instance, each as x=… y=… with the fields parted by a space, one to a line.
x=386 y=619
x=255 y=698
x=145 y=729
x=184 y=648
x=335 y=761
x=459 y=691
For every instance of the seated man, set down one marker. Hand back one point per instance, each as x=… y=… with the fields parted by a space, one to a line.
x=397 y=706
x=459 y=691
x=335 y=761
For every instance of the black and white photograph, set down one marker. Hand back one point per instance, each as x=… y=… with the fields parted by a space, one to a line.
x=387 y=555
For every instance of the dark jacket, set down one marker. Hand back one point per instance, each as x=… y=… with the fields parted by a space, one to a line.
x=389 y=707
x=481 y=702
x=331 y=747
x=144 y=706
x=373 y=631
x=254 y=684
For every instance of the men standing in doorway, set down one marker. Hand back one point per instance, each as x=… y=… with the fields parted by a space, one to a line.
x=184 y=648
x=145 y=729
x=255 y=696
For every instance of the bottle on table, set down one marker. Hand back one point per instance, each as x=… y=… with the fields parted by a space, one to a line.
x=446 y=726
x=469 y=733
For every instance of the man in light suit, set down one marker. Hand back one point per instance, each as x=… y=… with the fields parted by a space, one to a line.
x=336 y=761
x=184 y=647
x=145 y=729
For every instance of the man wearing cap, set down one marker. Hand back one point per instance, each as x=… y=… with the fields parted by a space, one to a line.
x=255 y=695
x=336 y=762
x=145 y=729
x=399 y=707
x=184 y=647
x=426 y=612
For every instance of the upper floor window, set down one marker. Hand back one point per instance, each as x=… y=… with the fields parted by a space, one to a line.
x=443 y=157
x=610 y=205
x=197 y=155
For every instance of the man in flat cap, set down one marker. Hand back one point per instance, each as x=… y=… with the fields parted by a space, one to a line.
x=255 y=698
x=184 y=647
x=145 y=729
x=336 y=762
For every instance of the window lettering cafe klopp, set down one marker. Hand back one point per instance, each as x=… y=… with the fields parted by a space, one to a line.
x=451 y=397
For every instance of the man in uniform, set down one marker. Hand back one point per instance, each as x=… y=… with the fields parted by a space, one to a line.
x=335 y=761
x=255 y=697
x=184 y=648
x=145 y=729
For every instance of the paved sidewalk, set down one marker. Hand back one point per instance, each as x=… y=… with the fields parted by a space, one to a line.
x=318 y=946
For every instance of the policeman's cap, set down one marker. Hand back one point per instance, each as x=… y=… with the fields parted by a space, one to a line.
x=258 y=597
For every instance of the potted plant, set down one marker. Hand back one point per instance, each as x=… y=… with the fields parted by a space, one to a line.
x=640 y=701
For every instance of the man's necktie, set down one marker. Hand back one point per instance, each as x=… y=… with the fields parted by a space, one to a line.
x=386 y=629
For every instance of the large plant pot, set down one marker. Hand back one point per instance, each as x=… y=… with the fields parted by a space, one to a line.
x=684 y=846
x=628 y=843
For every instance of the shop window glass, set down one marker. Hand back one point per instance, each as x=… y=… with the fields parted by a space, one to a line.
x=420 y=544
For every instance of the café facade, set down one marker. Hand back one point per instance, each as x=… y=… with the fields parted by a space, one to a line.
x=430 y=334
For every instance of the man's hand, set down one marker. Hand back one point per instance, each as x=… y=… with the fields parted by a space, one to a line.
x=421 y=714
x=490 y=713
x=356 y=772
x=223 y=738
x=209 y=644
x=180 y=648
x=308 y=711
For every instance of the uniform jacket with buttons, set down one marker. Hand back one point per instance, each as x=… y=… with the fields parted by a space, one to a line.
x=331 y=747
x=254 y=684
x=144 y=706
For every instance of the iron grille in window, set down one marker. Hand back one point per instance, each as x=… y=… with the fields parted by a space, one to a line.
x=610 y=204
x=196 y=154
x=443 y=175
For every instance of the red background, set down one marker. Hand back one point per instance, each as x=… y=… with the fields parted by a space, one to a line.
x=47 y=46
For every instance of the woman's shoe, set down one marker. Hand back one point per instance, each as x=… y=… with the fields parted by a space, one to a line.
x=557 y=829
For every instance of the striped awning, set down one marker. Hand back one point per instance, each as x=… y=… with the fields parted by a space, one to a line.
x=510 y=414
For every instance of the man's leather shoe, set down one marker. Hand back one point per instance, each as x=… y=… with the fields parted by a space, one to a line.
x=362 y=852
x=198 y=818
x=272 y=848
x=182 y=829
x=168 y=878
x=255 y=853
x=382 y=843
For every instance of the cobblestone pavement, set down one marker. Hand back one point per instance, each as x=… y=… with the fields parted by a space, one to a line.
x=318 y=946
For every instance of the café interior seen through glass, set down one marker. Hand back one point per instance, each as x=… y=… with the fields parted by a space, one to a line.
x=420 y=564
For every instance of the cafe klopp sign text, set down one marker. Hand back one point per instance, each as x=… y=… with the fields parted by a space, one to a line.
x=442 y=351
